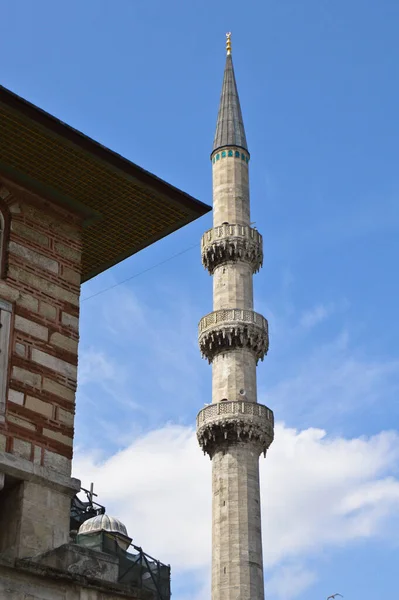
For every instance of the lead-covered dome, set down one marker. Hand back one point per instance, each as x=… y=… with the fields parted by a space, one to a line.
x=103 y=523
x=112 y=526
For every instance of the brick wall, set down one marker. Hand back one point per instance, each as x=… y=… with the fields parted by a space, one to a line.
x=42 y=284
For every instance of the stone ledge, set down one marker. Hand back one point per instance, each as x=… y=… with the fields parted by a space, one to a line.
x=231 y=243
x=25 y=470
x=17 y=576
x=232 y=328
x=225 y=423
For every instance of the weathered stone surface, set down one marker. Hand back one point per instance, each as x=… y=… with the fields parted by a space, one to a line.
x=65 y=416
x=43 y=408
x=54 y=363
x=21 y=422
x=233 y=328
x=43 y=285
x=64 y=342
x=20 y=349
x=58 y=390
x=58 y=436
x=71 y=275
x=40 y=260
x=70 y=321
x=48 y=477
x=31 y=328
x=8 y=293
x=29 y=233
x=225 y=423
x=24 y=376
x=31 y=580
x=231 y=243
x=47 y=310
x=68 y=252
x=234 y=429
x=22 y=448
x=29 y=302
x=16 y=397
x=59 y=463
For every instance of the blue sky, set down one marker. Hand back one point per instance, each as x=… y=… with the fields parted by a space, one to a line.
x=319 y=93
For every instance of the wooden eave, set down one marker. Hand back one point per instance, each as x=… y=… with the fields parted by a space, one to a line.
x=124 y=208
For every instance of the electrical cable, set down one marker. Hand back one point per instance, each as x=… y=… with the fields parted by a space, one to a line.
x=162 y=262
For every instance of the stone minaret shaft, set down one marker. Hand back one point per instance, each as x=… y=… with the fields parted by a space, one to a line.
x=234 y=429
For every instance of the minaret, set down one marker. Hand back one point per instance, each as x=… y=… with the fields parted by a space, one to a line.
x=234 y=430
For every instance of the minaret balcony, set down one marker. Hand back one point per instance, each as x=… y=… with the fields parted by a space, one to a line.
x=231 y=422
x=232 y=243
x=231 y=328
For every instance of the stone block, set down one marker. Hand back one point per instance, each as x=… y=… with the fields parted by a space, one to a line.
x=58 y=390
x=43 y=285
x=29 y=302
x=70 y=321
x=40 y=260
x=16 y=397
x=20 y=349
x=65 y=416
x=21 y=448
x=47 y=310
x=58 y=436
x=43 y=408
x=64 y=342
x=8 y=293
x=31 y=328
x=29 y=233
x=59 y=463
x=54 y=363
x=68 y=252
x=71 y=275
x=24 y=376
x=21 y=422
x=3 y=442
x=37 y=455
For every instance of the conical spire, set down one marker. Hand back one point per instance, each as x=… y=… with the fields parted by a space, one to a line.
x=230 y=126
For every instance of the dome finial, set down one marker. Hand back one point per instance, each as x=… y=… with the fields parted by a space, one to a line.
x=228 y=43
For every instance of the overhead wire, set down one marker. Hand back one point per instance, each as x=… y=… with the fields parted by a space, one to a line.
x=162 y=262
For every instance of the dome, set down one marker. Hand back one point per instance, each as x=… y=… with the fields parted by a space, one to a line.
x=106 y=523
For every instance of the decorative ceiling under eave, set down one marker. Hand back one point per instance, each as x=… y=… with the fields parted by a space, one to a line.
x=125 y=208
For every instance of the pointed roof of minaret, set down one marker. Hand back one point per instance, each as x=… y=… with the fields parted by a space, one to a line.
x=230 y=126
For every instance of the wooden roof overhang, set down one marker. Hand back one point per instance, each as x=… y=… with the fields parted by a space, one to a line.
x=124 y=208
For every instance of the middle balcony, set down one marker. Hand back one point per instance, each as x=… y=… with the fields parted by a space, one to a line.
x=230 y=243
x=232 y=328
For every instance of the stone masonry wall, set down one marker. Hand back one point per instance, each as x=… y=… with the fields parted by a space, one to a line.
x=42 y=282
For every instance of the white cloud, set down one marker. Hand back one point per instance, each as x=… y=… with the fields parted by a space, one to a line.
x=289 y=581
x=317 y=492
x=311 y=318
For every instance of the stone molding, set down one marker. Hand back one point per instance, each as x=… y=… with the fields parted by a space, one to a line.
x=224 y=423
x=232 y=328
x=231 y=243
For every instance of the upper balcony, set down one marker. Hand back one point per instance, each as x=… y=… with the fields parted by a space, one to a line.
x=231 y=243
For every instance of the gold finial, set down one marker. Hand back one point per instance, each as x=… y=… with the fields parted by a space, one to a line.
x=228 y=43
